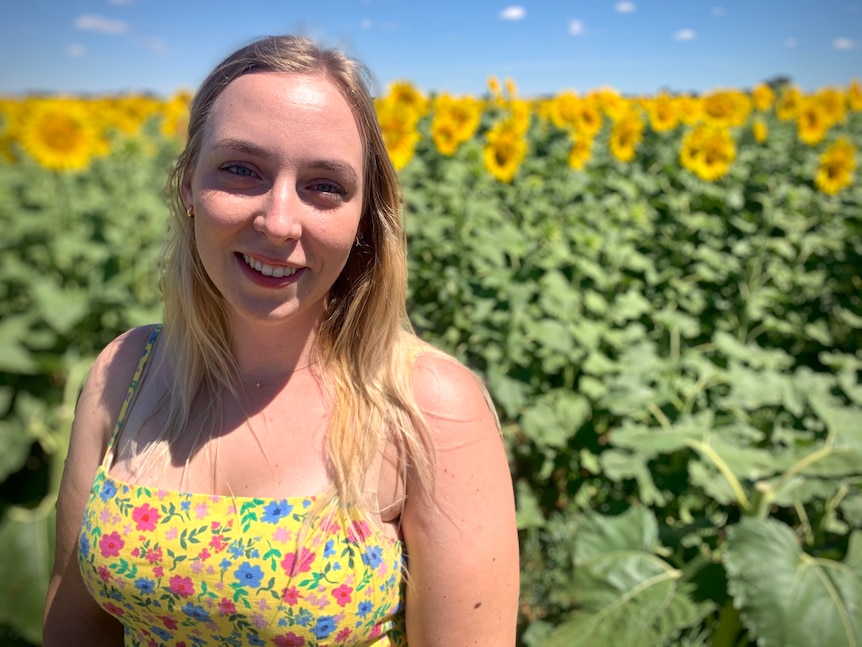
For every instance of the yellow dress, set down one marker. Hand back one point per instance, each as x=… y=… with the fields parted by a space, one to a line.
x=185 y=569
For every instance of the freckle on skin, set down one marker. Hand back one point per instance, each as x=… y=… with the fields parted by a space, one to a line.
x=477 y=605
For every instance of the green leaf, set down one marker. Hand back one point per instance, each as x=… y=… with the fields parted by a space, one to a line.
x=787 y=598
x=626 y=594
x=27 y=538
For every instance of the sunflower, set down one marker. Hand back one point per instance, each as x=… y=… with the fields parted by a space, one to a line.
x=788 y=103
x=455 y=121
x=505 y=149
x=59 y=135
x=563 y=111
x=833 y=103
x=494 y=88
x=662 y=113
x=689 y=109
x=626 y=135
x=611 y=102
x=708 y=152
x=837 y=164
x=854 y=96
x=763 y=96
x=760 y=130
x=408 y=97
x=581 y=152
x=175 y=116
x=398 y=127
x=812 y=122
x=725 y=108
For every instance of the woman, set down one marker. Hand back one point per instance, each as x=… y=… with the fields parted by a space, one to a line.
x=290 y=465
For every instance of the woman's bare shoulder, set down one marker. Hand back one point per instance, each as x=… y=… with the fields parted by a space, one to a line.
x=108 y=383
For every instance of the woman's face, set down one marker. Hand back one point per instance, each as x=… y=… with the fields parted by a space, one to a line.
x=277 y=195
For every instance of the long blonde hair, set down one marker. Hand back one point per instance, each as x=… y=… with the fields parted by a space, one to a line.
x=364 y=343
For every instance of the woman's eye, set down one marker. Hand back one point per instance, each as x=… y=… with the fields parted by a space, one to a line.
x=238 y=169
x=327 y=187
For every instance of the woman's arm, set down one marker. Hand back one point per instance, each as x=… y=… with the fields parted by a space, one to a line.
x=72 y=618
x=461 y=541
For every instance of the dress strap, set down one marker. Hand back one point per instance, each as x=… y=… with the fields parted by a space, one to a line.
x=130 y=395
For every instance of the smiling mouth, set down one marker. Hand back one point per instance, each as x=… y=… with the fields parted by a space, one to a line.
x=276 y=271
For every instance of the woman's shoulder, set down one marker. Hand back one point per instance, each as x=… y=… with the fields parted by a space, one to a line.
x=443 y=385
x=110 y=377
x=122 y=354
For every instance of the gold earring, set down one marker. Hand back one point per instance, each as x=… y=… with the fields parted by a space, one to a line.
x=190 y=212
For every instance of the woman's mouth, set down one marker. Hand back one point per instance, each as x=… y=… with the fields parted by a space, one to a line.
x=275 y=271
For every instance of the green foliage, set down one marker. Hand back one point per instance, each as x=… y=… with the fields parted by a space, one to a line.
x=676 y=365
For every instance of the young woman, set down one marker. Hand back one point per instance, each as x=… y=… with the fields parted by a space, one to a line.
x=283 y=462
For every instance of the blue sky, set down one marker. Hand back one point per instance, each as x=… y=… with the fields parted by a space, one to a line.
x=640 y=46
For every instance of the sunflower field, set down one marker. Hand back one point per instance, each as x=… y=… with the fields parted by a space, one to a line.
x=663 y=294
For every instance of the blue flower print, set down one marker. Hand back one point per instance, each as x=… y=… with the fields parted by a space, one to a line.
x=365 y=607
x=254 y=639
x=372 y=556
x=186 y=505
x=275 y=510
x=329 y=550
x=164 y=634
x=198 y=613
x=249 y=575
x=84 y=546
x=236 y=549
x=145 y=585
x=325 y=626
x=108 y=491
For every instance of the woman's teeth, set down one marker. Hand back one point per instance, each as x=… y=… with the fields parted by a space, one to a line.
x=268 y=270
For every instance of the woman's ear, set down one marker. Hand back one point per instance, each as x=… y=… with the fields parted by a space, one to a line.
x=186 y=190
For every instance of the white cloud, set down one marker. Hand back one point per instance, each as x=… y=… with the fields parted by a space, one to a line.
x=791 y=43
x=844 y=43
x=576 y=27
x=685 y=34
x=624 y=7
x=365 y=23
x=75 y=50
x=515 y=12
x=92 y=22
x=158 y=45
x=717 y=11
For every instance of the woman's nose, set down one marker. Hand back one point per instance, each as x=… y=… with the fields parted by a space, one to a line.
x=280 y=216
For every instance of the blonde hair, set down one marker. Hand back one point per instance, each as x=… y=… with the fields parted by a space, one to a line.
x=364 y=343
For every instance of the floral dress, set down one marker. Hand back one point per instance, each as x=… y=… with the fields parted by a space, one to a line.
x=186 y=569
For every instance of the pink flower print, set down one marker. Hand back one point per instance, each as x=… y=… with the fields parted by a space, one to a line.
x=226 y=607
x=289 y=639
x=146 y=517
x=298 y=562
x=182 y=586
x=281 y=534
x=358 y=532
x=151 y=642
x=203 y=554
x=342 y=594
x=201 y=510
x=158 y=571
x=105 y=516
x=343 y=635
x=113 y=609
x=136 y=552
x=104 y=574
x=110 y=545
x=154 y=555
x=291 y=595
x=170 y=623
x=171 y=534
x=218 y=543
